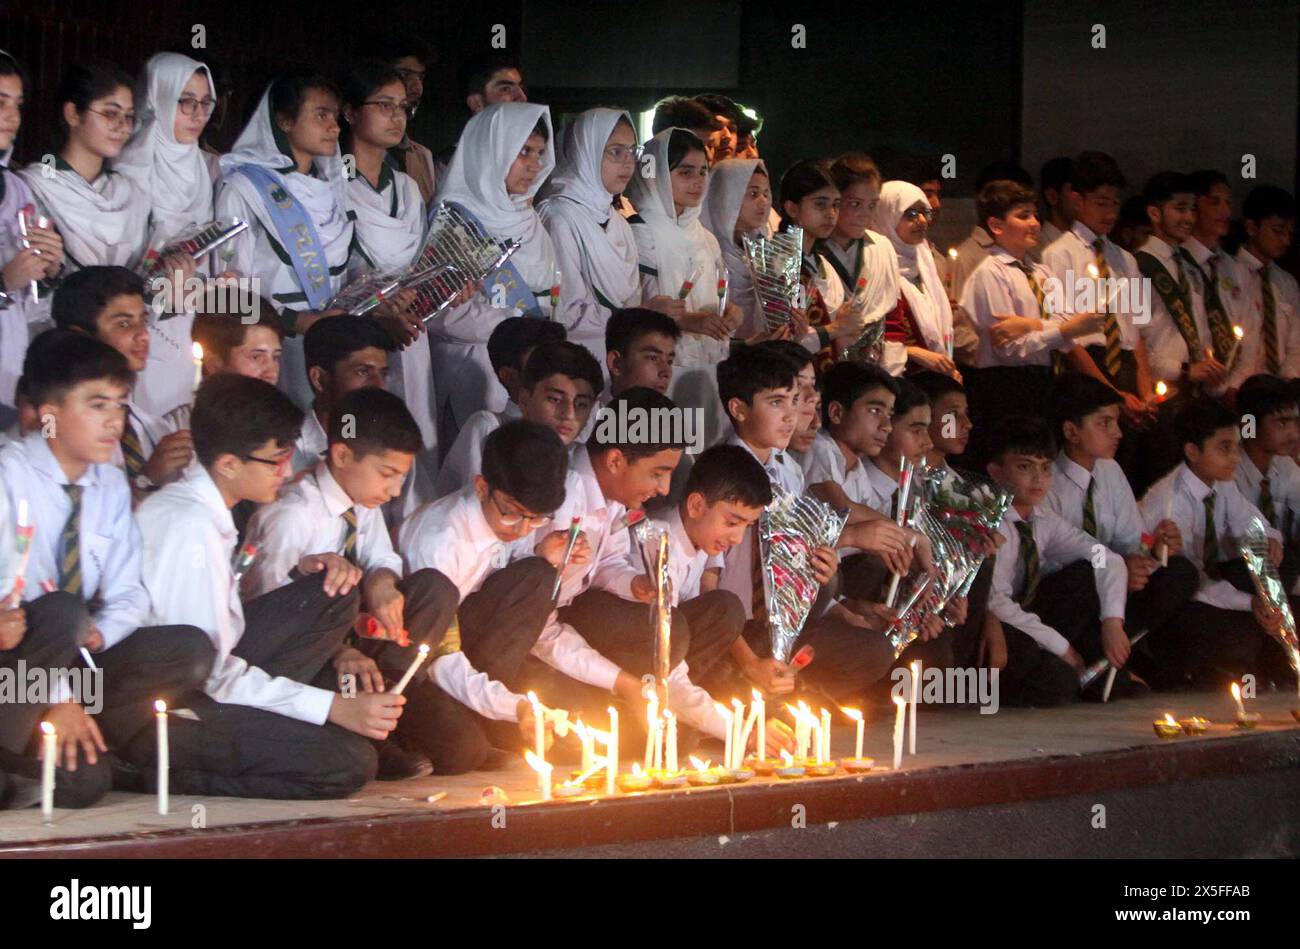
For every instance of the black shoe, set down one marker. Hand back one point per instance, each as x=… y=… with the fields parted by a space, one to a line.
x=398 y=764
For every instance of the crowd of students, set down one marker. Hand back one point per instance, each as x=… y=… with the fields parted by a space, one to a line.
x=405 y=483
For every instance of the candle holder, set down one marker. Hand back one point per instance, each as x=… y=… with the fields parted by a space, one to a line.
x=592 y=781
x=1166 y=729
x=1249 y=720
x=704 y=779
x=789 y=772
x=569 y=789
x=1295 y=713
x=669 y=779
x=821 y=769
x=766 y=766
x=633 y=783
x=737 y=775
x=1196 y=725
x=857 y=765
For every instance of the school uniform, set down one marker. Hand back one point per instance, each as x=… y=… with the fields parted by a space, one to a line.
x=970 y=254
x=719 y=213
x=922 y=316
x=16 y=307
x=271 y=684
x=1049 y=597
x=870 y=258
x=1179 y=336
x=1214 y=636
x=1275 y=493
x=312 y=443
x=465 y=459
x=1101 y=504
x=87 y=546
x=826 y=293
x=1272 y=318
x=141 y=433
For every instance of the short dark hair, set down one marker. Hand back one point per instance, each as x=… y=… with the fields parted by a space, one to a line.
x=910 y=396
x=1090 y=171
x=1264 y=395
x=751 y=369
x=527 y=461
x=1205 y=179
x=1055 y=173
x=331 y=339
x=846 y=382
x=682 y=112
x=720 y=105
x=478 y=71
x=1199 y=419
x=802 y=179
x=565 y=359
x=59 y=360
x=626 y=328
x=372 y=421
x=289 y=90
x=234 y=415
x=849 y=169
x=1021 y=435
x=997 y=198
x=638 y=400
x=1265 y=201
x=516 y=335
x=937 y=384
x=729 y=473
x=219 y=333
x=1074 y=396
x=796 y=353
x=84 y=293
x=681 y=142
x=1003 y=171
x=1163 y=185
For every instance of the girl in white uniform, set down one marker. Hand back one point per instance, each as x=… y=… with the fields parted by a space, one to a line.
x=675 y=250
x=502 y=159
x=285 y=177
x=738 y=204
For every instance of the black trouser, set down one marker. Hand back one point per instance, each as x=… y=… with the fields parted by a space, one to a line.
x=429 y=603
x=995 y=393
x=1167 y=591
x=239 y=751
x=1066 y=601
x=499 y=625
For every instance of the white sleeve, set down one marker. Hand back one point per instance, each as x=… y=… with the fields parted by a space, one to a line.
x=561 y=648
x=580 y=313
x=1066 y=544
x=692 y=705
x=280 y=537
x=454 y=675
x=1005 y=608
x=472 y=322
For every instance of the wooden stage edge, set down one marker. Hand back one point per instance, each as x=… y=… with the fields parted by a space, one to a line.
x=700 y=812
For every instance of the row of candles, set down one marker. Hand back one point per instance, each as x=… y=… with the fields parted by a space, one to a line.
x=1170 y=727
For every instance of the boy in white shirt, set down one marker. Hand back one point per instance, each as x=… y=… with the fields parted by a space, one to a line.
x=1268 y=476
x=1273 y=299
x=273 y=683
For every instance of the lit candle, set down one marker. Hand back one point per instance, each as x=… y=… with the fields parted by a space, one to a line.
x=1236 y=697
x=856 y=715
x=164 y=756
x=588 y=744
x=744 y=734
x=670 y=749
x=420 y=655
x=1161 y=390
x=737 y=733
x=730 y=737
x=911 y=712
x=539 y=727
x=1101 y=296
x=543 y=769
x=825 y=754
x=651 y=727
x=901 y=705
x=760 y=747
x=1237 y=333
x=952 y=268
x=611 y=760
x=50 y=754
x=197 y=350
x=1169 y=513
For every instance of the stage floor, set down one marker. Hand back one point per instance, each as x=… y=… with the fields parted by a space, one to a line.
x=948 y=739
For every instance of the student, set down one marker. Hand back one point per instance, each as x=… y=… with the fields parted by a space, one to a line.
x=1057 y=611
x=1116 y=356
x=334 y=509
x=285 y=176
x=558 y=390
x=640 y=350
x=164 y=160
x=87 y=547
x=1089 y=492
x=1010 y=375
x=1133 y=227
x=1225 y=630
x=20 y=266
x=470 y=699
x=759 y=390
x=921 y=319
x=1268 y=476
x=972 y=251
x=594 y=248
x=738 y=204
x=950 y=423
x=679 y=257
x=1054 y=184
x=342 y=353
x=681 y=112
x=389 y=214
x=108 y=304
x=1220 y=275
x=1273 y=307
x=272 y=684
x=722 y=143
x=504 y=155
x=410 y=59
x=491 y=78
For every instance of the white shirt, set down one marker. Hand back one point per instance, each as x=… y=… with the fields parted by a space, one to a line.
x=1068 y=258
x=189 y=542
x=1283 y=485
x=311 y=445
x=1119 y=526
x=109 y=539
x=998 y=288
x=824 y=461
x=1232 y=514
x=1166 y=348
x=465 y=459
x=686 y=562
x=1059 y=544
x=1286 y=309
x=307 y=518
x=1232 y=294
x=970 y=254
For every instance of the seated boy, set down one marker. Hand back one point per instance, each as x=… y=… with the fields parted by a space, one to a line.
x=1272 y=295
x=335 y=508
x=271 y=686
x=1268 y=476
x=640 y=348
x=86 y=551
x=950 y=424
x=1057 y=611
x=1090 y=492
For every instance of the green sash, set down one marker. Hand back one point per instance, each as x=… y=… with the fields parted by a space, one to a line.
x=1177 y=302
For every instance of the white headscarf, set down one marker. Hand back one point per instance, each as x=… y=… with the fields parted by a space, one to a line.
x=476 y=180
x=105 y=221
x=174 y=176
x=930 y=309
x=720 y=210
x=576 y=194
x=390 y=240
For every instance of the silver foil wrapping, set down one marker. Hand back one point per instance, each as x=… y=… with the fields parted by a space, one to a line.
x=652 y=542
x=196 y=240
x=774 y=263
x=1254 y=550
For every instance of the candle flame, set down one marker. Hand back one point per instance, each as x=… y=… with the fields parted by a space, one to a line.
x=916 y=666
x=532 y=698
x=758 y=696
x=1169 y=719
x=1236 y=691
x=1093 y=272
x=423 y=650
x=537 y=764
x=47 y=728
x=1238 y=332
x=739 y=706
x=723 y=710
x=699 y=765
x=1161 y=388
x=197 y=350
x=900 y=701
x=160 y=707
x=636 y=769
x=852 y=713
x=787 y=757
x=952 y=253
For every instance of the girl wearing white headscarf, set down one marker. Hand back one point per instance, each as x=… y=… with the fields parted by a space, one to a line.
x=389 y=216
x=19 y=266
x=164 y=159
x=594 y=247
x=675 y=249
x=922 y=320
x=739 y=204
x=290 y=146
x=502 y=158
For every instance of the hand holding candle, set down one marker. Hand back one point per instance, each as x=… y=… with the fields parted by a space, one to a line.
x=420 y=655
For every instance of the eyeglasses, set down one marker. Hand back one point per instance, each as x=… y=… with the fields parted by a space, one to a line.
x=115 y=119
x=279 y=464
x=389 y=108
x=623 y=153
x=190 y=105
x=511 y=519
x=915 y=214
